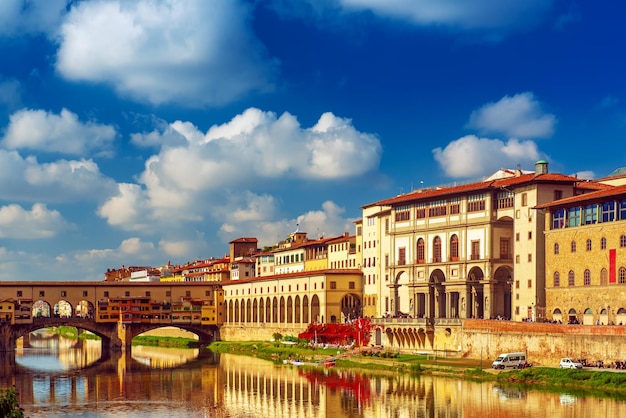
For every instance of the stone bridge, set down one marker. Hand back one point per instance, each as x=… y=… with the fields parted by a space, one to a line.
x=116 y=336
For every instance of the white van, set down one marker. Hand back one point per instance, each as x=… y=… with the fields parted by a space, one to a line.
x=512 y=360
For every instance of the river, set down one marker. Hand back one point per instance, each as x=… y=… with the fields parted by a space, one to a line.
x=56 y=378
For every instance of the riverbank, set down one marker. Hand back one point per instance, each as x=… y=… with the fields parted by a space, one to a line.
x=591 y=382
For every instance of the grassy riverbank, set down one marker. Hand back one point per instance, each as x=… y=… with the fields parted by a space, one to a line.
x=601 y=383
x=161 y=341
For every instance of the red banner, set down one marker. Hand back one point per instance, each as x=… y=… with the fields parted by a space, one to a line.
x=612 y=256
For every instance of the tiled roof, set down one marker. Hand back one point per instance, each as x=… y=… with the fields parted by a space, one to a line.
x=244 y=239
x=428 y=194
x=615 y=191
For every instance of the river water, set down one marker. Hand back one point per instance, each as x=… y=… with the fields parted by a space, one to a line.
x=56 y=378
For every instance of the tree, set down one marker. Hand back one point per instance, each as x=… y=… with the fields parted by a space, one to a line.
x=9 y=407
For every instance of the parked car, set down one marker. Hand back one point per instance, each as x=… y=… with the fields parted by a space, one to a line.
x=511 y=360
x=568 y=363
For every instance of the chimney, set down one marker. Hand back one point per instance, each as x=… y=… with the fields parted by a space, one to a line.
x=541 y=167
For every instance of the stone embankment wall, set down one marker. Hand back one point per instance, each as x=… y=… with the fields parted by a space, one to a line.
x=544 y=344
x=251 y=332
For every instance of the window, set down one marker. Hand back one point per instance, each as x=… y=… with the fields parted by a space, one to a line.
x=530 y=283
x=386 y=260
x=386 y=225
x=517 y=236
x=168 y=293
x=557 y=279
x=42 y=294
x=371 y=221
x=106 y=293
x=437 y=208
x=19 y=293
x=587 y=277
x=622 y=275
x=558 y=194
x=505 y=199
x=401 y=256
x=504 y=249
x=127 y=293
x=573 y=246
x=475 y=250
x=573 y=217
x=420 y=212
x=603 y=243
x=403 y=213
x=622 y=241
x=85 y=293
x=517 y=259
x=455 y=206
x=608 y=211
x=530 y=258
x=590 y=215
x=558 y=219
x=517 y=284
x=530 y=234
x=604 y=277
x=63 y=293
x=333 y=285
x=437 y=250
x=556 y=248
x=421 y=256
x=570 y=278
x=524 y=199
x=454 y=248
x=588 y=245
x=350 y=285
x=476 y=203
x=622 y=209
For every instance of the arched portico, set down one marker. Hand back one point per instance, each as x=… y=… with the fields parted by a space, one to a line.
x=436 y=295
x=475 y=294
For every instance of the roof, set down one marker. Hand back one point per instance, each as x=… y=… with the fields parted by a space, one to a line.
x=429 y=194
x=599 y=195
x=243 y=240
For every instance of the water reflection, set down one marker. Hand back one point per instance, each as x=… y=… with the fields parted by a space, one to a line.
x=152 y=381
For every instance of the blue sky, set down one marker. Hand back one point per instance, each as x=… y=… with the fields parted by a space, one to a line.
x=142 y=132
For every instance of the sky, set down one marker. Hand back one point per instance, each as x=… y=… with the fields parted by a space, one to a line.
x=144 y=132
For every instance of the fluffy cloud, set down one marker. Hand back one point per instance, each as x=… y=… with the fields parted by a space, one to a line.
x=471 y=156
x=249 y=152
x=63 y=133
x=39 y=222
x=329 y=221
x=24 y=179
x=165 y=51
x=519 y=116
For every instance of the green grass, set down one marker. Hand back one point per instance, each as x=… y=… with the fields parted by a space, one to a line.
x=159 y=341
x=274 y=351
x=71 y=333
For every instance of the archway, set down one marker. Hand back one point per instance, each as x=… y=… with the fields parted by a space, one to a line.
x=351 y=307
x=63 y=309
x=502 y=300
x=588 y=317
x=400 y=298
x=436 y=295
x=557 y=316
x=85 y=309
x=315 y=309
x=305 y=309
x=572 y=317
x=297 y=311
x=475 y=293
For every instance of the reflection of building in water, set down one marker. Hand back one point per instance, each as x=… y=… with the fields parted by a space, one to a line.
x=163 y=358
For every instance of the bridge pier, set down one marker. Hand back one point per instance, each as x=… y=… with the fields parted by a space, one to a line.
x=7 y=337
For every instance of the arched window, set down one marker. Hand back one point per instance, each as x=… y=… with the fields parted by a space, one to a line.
x=622 y=275
x=570 y=278
x=604 y=277
x=588 y=245
x=587 y=278
x=454 y=248
x=420 y=251
x=437 y=250
x=557 y=279
x=556 y=248
x=603 y=243
x=573 y=246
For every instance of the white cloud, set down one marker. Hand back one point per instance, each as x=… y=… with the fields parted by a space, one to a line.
x=18 y=17
x=519 y=116
x=471 y=156
x=180 y=249
x=246 y=153
x=585 y=175
x=328 y=221
x=165 y=51
x=40 y=222
x=63 y=133
x=134 y=247
x=24 y=179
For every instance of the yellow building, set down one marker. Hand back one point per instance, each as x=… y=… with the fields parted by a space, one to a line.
x=7 y=310
x=586 y=257
x=473 y=250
